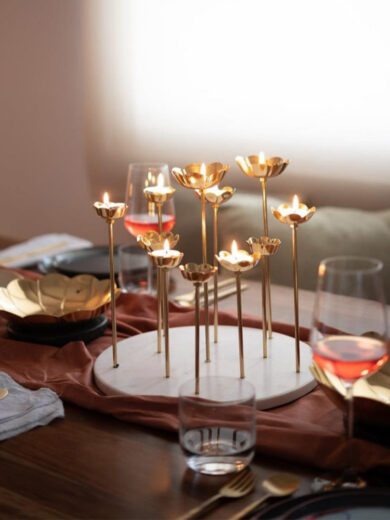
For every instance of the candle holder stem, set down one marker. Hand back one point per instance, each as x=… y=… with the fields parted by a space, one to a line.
x=164 y=276
x=112 y=286
x=215 y=207
x=197 y=334
x=240 y=333
x=296 y=302
x=159 y=216
x=205 y=286
x=267 y=268
x=264 y=300
x=159 y=311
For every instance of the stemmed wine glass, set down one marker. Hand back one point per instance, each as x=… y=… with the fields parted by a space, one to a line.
x=349 y=331
x=142 y=215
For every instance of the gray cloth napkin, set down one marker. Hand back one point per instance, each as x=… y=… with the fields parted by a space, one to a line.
x=22 y=409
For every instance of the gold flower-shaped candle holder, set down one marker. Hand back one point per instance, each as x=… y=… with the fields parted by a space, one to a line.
x=216 y=196
x=263 y=168
x=152 y=241
x=197 y=274
x=292 y=216
x=158 y=195
x=110 y=212
x=238 y=261
x=164 y=259
x=201 y=176
x=265 y=247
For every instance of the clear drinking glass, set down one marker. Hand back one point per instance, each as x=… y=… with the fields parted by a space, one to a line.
x=218 y=425
x=141 y=215
x=349 y=335
x=132 y=269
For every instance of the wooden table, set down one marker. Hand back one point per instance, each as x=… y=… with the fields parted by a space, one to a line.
x=94 y=466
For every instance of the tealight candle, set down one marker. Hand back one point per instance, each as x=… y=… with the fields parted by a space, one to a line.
x=295 y=214
x=109 y=210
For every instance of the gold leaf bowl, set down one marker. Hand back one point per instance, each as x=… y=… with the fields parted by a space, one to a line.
x=54 y=298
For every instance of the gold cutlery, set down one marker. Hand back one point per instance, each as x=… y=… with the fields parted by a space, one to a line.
x=279 y=485
x=238 y=487
x=221 y=296
x=3 y=393
x=190 y=296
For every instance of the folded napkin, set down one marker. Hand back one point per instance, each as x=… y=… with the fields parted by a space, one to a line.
x=22 y=409
x=39 y=247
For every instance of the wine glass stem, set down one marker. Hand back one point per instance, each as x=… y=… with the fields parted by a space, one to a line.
x=349 y=398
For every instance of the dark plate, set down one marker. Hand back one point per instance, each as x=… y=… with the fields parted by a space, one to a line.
x=370 y=504
x=90 y=260
x=59 y=334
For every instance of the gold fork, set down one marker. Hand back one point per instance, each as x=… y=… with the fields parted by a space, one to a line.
x=238 y=487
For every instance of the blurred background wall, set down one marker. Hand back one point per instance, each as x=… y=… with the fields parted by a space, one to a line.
x=88 y=86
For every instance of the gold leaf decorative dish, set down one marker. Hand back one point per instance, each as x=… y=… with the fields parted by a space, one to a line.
x=54 y=298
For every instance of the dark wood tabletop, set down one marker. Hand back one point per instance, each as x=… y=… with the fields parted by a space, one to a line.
x=91 y=465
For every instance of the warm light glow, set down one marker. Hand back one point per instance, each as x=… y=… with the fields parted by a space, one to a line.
x=160 y=180
x=234 y=248
x=106 y=198
x=203 y=170
x=166 y=245
x=262 y=158
x=295 y=203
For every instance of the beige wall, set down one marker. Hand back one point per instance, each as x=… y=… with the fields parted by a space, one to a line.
x=64 y=137
x=43 y=181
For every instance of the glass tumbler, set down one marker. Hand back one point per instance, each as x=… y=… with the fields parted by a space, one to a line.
x=218 y=425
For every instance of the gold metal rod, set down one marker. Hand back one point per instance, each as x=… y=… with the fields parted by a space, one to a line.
x=263 y=300
x=240 y=334
x=197 y=334
x=204 y=260
x=159 y=215
x=215 y=207
x=164 y=275
x=267 y=267
x=112 y=286
x=296 y=302
x=159 y=311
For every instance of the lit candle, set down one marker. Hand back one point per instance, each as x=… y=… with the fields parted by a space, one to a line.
x=238 y=259
x=160 y=190
x=297 y=213
x=108 y=209
x=166 y=253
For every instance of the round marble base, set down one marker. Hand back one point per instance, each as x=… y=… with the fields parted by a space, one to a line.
x=141 y=370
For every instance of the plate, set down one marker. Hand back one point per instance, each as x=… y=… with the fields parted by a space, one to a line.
x=362 y=504
x=91 y=260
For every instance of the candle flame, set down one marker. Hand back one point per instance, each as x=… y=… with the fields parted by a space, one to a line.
x=203 y=170
x=160 y=180
x=166 y=246
x=234 y=248
x=295 y=203
x=106 y=198
x=261 y=158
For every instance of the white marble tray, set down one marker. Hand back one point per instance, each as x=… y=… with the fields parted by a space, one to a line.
x=141 y=370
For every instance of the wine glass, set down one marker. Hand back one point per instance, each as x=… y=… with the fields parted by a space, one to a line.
x=141 y=215
x=349 y=331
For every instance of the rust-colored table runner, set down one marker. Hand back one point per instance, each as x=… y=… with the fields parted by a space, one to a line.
x=308 y=431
